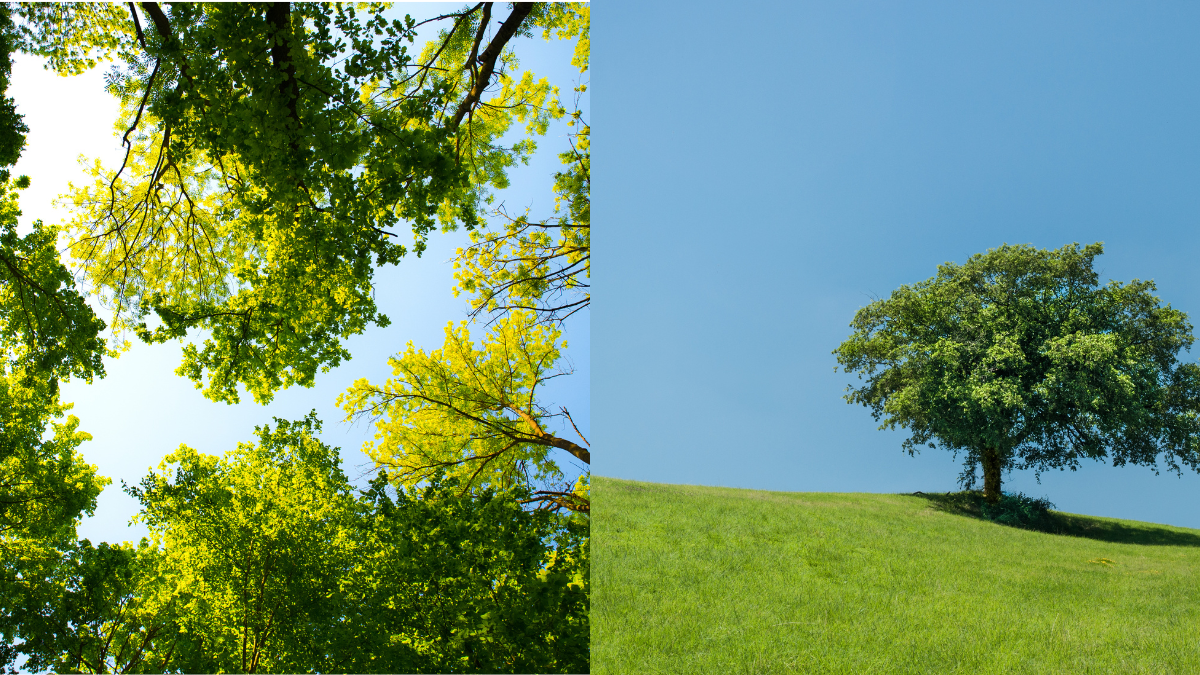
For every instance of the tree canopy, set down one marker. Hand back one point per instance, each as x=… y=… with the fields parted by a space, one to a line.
x=271 y=153
x=473 y=413
x=1018 y=358
x=48 y=334
x=266 y=560
x=274 y=154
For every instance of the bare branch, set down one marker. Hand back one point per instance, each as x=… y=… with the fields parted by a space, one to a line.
x=137 y=24
x=572 y=420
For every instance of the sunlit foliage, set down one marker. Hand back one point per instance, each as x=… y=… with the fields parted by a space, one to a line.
x=1018 y=358
x=265 y=560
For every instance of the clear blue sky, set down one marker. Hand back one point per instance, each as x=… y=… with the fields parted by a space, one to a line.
x=142 y=411
x=765 y=169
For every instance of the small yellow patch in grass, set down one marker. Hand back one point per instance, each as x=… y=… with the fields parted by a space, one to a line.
x=1101 y=561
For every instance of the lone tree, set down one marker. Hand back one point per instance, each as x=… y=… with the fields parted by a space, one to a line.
x=1020 y=359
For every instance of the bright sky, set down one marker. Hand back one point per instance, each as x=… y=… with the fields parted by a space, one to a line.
x=764 y=172
x=142 y=411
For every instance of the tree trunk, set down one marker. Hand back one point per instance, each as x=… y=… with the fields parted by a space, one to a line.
x=991 y=475
x=487 y=60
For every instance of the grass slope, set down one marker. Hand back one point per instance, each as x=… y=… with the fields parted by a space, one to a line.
x=699 y=579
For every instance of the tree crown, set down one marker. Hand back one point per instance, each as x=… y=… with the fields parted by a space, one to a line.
x=1021 y=352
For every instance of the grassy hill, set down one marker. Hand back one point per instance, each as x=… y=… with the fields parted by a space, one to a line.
x=697 y=579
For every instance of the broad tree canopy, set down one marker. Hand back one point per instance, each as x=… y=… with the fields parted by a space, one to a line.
x=275 y=155
x=1020 y=359
x=276 y=152
x=266 y=560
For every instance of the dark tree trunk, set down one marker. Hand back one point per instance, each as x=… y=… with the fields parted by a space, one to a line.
x=991 y=475
x=487 y=60
x=280 y=16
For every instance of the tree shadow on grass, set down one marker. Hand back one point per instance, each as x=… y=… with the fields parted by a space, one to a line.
x=969 y=504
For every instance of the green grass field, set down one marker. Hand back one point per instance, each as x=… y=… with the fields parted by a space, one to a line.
x=694 y=579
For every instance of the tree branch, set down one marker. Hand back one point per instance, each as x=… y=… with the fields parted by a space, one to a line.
x=160 y=20
x=487 y=60
x=572 y=420
x=137 y=24
x=550 y=439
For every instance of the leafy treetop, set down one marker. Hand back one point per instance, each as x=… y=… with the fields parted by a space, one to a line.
x=473 y=412
x=1020 y=359
x=272 y=150
x=265 y=560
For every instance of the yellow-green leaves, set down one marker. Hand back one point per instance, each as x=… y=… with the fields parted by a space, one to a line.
x=45 y=485
x=473 y=412
x=469 y=411
x=520 y=261
x=272 y=152
x=45 y=325
x=76 y=36
x=264 y=560
x=161 y=230
x=568 y=20
x=252 y=545
x=261 y=185
x=542 y=266
x=45 y=488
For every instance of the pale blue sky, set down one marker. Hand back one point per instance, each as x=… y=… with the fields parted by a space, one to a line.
x=142 y=411
x=763 y=171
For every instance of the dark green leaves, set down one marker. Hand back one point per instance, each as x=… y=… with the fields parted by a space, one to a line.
x=265 y=560
x=1020 y=350
x=264 y=180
